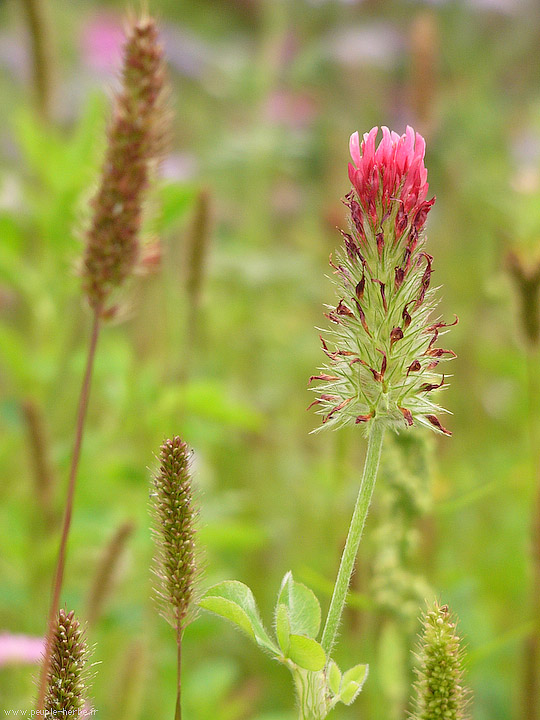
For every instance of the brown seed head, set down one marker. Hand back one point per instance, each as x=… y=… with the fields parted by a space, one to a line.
x=135 y=142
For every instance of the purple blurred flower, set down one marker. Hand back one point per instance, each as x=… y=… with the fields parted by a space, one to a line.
x=295 y=110
x=20 y=649
x=378 y=44
x=102 y=40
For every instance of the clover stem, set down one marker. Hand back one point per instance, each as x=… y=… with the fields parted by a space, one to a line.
x=356 y=528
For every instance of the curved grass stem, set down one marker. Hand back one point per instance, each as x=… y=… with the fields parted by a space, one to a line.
x=356 y=528
x=68 y=510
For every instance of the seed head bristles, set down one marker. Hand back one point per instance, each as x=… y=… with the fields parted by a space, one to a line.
x=135 y=144
x=382 y=355
x=67 y=676
x=174 y=532
x=439 y=689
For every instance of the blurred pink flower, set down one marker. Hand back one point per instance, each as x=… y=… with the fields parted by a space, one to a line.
x=20 y=649
x=291 y=109
x=394 y=171
x=102 y=40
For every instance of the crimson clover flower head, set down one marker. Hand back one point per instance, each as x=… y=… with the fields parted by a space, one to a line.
x=392 y=173
x=383 y=360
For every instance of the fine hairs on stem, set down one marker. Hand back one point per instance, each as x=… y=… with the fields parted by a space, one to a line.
x=174 y=534
x=112 y=251
x=353 y=538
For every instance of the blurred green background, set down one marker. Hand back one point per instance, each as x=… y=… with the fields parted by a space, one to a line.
x=265 y=94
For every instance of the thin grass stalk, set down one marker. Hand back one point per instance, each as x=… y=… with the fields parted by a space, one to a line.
x=354 y=536
x=527 y=284
x=106 y=572
x=197 y=251
x=530 y=707
x=42 y=53
x=43 y=472
x=128 y=688
x=424 y=44
x=68 y=511
x=178 y=710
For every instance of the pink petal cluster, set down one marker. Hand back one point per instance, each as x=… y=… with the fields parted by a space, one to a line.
x=394 y=171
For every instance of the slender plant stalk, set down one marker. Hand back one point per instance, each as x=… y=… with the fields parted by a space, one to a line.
x=179 y=633
x=353 y=538
x=107 y=571
x=527 y=284
x=39 y=27
x=531 y=654
x=68 y=511
x=44 y=479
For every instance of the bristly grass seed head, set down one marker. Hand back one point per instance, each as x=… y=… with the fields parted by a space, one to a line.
x=135 y=143
x=174 y=532
x=66 y=684
x=382 y=356
x=439 y=690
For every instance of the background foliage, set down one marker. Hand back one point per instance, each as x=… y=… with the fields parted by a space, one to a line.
x=265 y=96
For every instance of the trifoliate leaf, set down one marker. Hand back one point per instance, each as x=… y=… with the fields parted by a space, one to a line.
x=352 y=683
x=283 y=629
x=306 y=652
x=234 y=601
x=302 y=605
x=333 y=677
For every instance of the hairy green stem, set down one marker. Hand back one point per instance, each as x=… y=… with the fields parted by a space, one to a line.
x=353 y=538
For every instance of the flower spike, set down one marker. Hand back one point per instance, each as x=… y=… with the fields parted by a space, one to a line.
x=382 y=356
x=67 y=676
x=136 y=138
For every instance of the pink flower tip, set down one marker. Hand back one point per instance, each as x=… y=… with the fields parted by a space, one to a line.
x=392 y=172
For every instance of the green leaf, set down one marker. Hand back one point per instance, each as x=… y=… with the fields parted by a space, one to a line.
x=235 y=602
x=306 y=652
x=352 y=683
x=333 y=676
x=283 y=629
x=230 y=611
x=303 y=606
